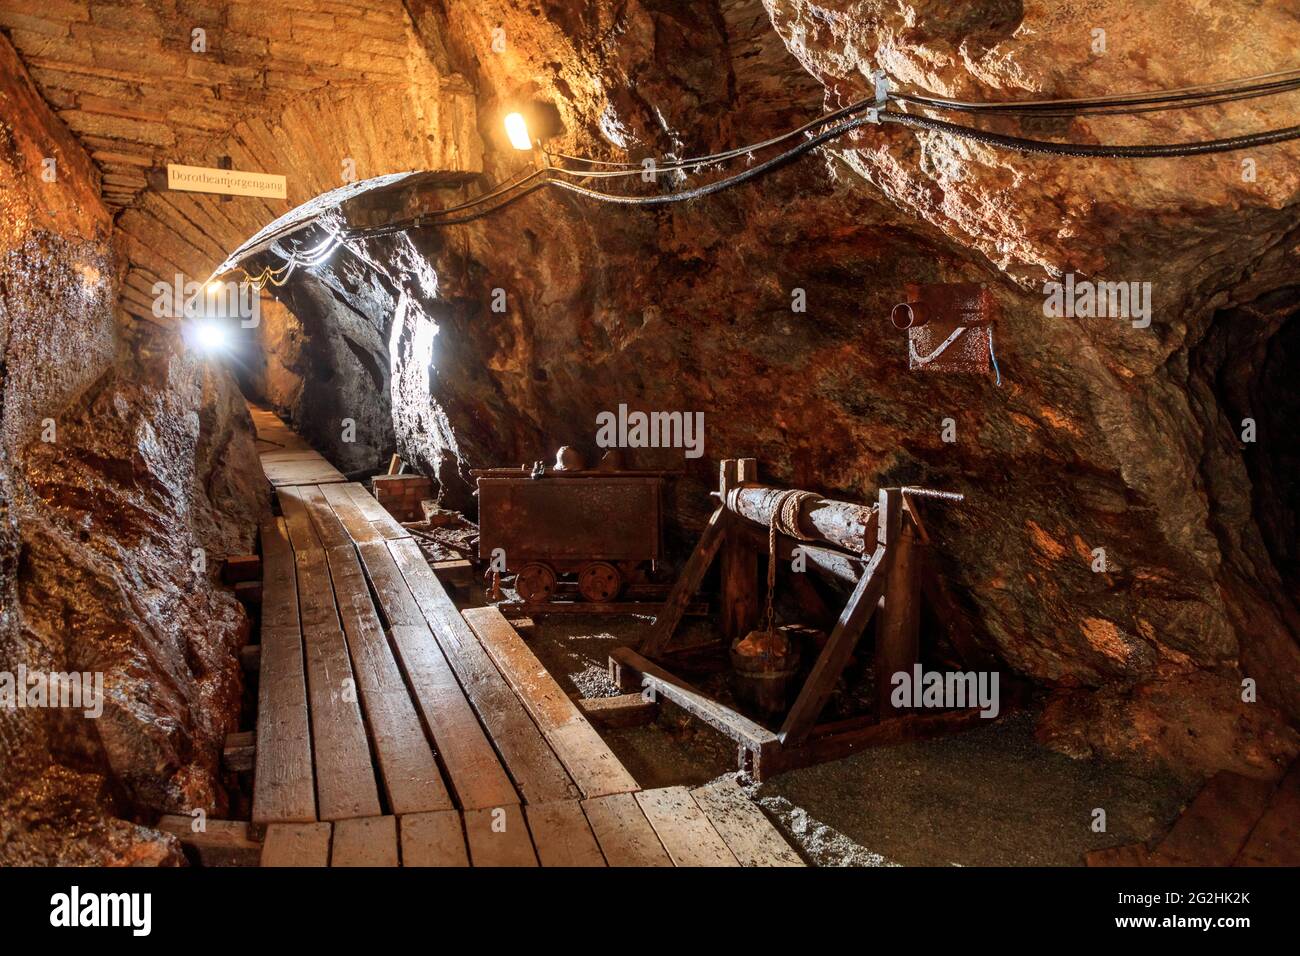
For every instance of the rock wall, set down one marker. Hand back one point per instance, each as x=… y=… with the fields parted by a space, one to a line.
x=1101 y=435
x=121 y=454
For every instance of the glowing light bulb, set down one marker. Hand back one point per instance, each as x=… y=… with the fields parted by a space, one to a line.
x=517 y=130
x=210 y=336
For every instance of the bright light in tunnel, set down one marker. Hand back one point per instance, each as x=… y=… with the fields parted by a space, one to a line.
x=209 y=336
x=517 y=130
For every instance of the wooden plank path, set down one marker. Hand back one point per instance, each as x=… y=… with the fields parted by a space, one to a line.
x=394 y=730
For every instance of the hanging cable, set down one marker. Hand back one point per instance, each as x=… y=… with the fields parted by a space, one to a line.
x=525 y=183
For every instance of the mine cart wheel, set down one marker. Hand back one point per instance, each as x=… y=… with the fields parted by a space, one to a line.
x=535 y=582
x=600 y=582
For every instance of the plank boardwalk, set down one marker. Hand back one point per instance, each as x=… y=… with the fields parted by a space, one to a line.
x=393 y=730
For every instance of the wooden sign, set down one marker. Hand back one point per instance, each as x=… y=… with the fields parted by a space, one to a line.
x=226 y=182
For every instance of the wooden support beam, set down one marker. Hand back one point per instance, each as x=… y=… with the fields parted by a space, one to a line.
x=625 y=710
x=458 y=573
x=740 y=593
x=845 y=738
x=848 y=629
x=898 y=632
x=240 y=751
x=249 y=593
x=689 y=582
x=241 y=567
x=633 y=669
x=217 y=843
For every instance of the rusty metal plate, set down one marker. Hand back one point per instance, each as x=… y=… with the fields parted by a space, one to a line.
x=951 y=326
x=569 y=519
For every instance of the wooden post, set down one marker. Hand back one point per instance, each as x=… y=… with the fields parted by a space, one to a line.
x=897 y=641
x=740 y=593
x=844 y=638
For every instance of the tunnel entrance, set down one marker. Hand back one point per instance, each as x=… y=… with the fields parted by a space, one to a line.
x=1274 y=458
x=1250 y=359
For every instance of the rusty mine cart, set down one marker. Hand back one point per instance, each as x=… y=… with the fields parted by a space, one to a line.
x=604 y=526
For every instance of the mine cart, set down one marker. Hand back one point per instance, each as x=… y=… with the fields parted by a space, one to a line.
x=603 y=526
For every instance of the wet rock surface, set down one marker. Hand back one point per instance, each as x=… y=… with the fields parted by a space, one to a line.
x=127 y=470
x=1102 y=435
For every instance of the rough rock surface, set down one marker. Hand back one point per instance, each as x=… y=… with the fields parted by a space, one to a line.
x=1102 y=435
x=121 y=455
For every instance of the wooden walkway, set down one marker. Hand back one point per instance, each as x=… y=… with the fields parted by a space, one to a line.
x=394 y=730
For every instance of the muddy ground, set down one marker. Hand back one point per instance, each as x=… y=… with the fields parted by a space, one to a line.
x=991 y=796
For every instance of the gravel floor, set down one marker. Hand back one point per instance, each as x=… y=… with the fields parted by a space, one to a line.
x=988 y=797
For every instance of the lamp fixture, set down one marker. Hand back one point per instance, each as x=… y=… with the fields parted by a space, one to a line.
x=517 y=130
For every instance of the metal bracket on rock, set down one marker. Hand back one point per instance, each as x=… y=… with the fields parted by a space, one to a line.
x=882 y=95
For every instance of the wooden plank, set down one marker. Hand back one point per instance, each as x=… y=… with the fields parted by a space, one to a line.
x=476 y=775
x=316 y=606
x=625 y=836
x=302 y=532
x=241 y=567
x=1275 y=841
x=283 y=785
x=587 y=757
x=1132 y=854
x=375 y=513
x=412 y=781
x=683 y=829
x=340 y=500
x=279 y=580
x=748 y=833
x=365 y=841
x=396 y=598
x=326 y=523
x=433 y=839
x=624 y=710
x=562 y=836
x=345 y=778
x=644 y=608
x=297 y=844
x=529 y=759
x=309 y=472
x=848 y=629
x=498 y=837
x=218 y=843
x=240 y=751
x=737 y=726
x=458 y=573
x=1213 y=830
x=686 y=586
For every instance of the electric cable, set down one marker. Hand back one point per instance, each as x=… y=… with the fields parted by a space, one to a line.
x=1099 y=150
x=524 y=184
x=1175 y=95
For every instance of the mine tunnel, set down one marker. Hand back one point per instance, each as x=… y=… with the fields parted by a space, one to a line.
x=841 y=435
